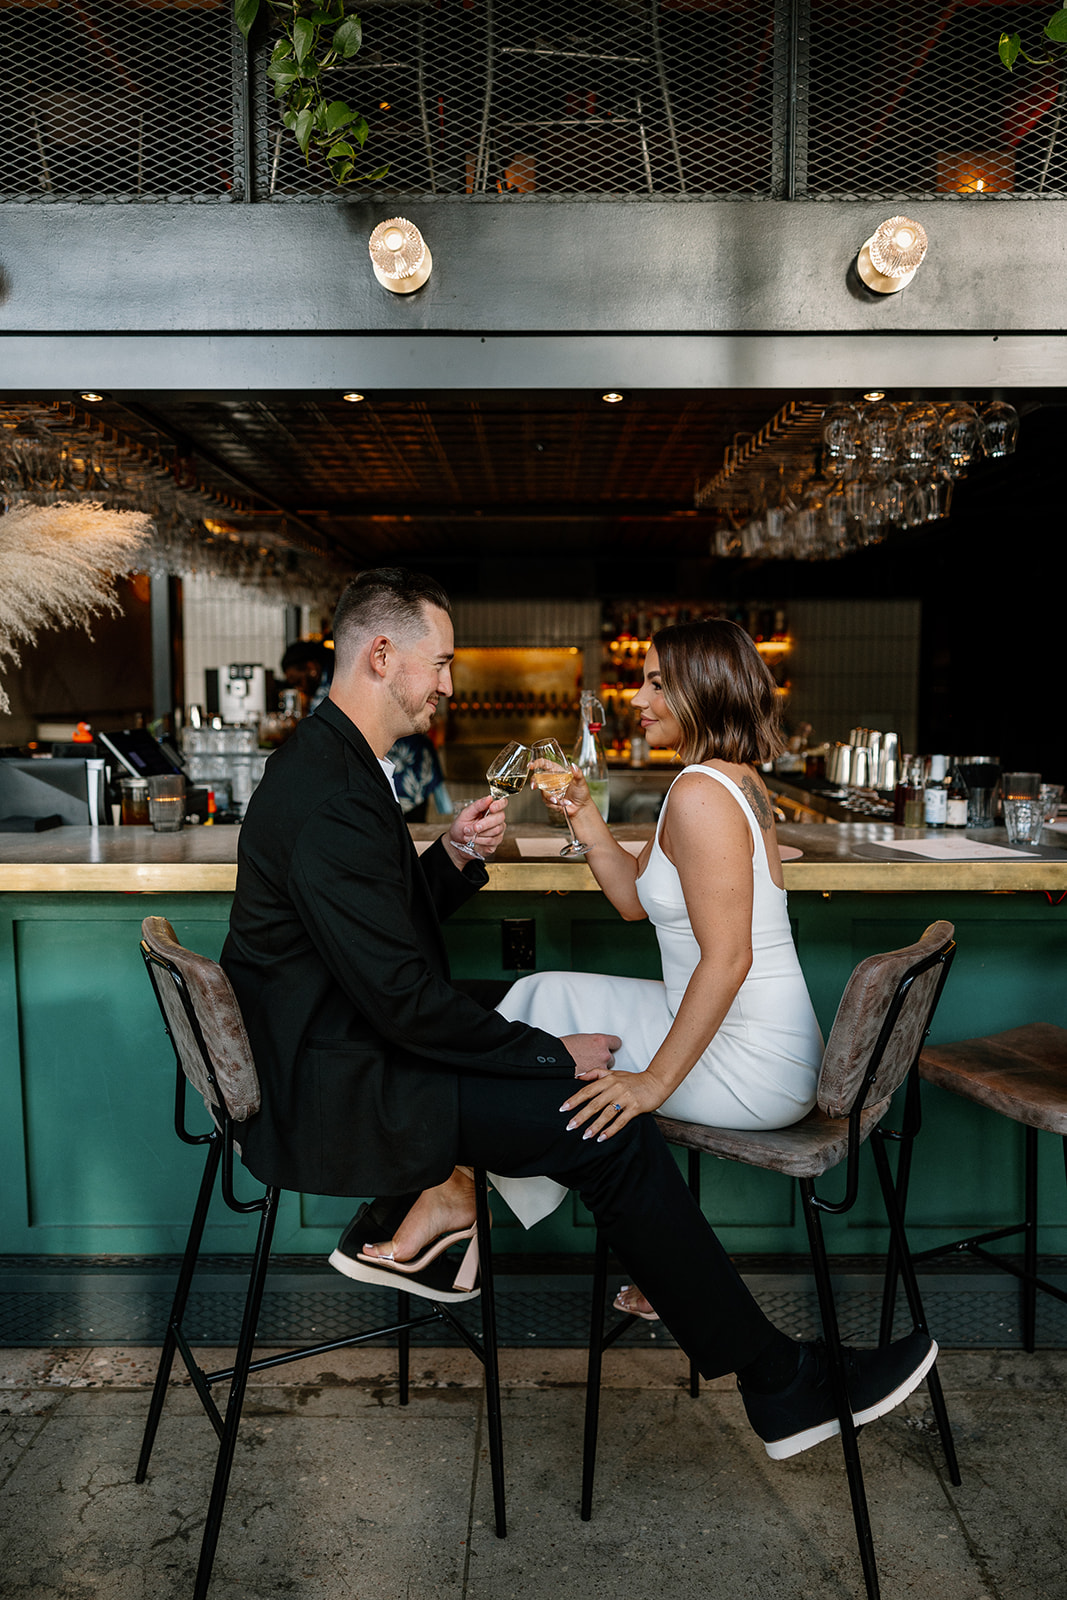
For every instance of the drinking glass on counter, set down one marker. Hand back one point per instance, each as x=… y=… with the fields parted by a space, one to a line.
x=1020 y=793
x=1020 y=785
x=133 y=794
x=166 y=802
x=550 y=771
x=980 y=776
x=1024 y=818
x=1050 y=795
x=505 y=775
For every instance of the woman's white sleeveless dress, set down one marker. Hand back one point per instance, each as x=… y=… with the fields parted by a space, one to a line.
x=760 y=1069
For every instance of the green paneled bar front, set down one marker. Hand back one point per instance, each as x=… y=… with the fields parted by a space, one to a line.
x=89 y=1163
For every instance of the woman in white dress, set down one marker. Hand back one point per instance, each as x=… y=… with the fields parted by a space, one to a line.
x=728 y=1037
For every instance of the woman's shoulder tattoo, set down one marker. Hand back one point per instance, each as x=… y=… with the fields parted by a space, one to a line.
x=761 y=806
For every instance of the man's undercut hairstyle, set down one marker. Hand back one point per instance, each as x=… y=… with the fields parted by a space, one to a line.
x=386 y=600
x=721 y=691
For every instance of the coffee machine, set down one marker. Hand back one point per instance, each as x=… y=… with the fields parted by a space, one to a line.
x=237 y=693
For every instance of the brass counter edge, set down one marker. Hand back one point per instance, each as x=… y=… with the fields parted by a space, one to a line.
x=547 y=877
x=81 y=877
x=953 y=876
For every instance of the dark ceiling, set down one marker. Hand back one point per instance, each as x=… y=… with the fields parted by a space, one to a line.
x=464 y=478
x=410 y=478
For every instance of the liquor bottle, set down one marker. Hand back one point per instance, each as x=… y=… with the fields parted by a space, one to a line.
x=956 y=808
x=935 y=795
x=589 y=755
x=913 y=795
x=900 y=798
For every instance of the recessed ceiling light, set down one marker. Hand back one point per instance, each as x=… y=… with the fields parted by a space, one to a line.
x=612 y=397
x=90 y=394
x=874 y=394
x=352 y=395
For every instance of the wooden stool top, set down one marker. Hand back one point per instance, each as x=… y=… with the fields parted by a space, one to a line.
x=1021 y=1073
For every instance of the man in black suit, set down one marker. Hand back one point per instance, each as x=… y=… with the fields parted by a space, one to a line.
x=378 y=1076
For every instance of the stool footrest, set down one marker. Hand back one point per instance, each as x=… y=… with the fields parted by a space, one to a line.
x=1002 y=1263
x=287 y=1356
x=972 y=1243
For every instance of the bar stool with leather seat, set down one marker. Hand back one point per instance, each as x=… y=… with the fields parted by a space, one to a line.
x=881 y=1023
x=1021 y=1074
x=212 y=1054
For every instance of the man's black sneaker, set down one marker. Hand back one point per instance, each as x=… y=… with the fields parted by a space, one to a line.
x=379 y=1219
x=803 y=1414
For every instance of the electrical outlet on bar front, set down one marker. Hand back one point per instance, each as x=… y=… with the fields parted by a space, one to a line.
x=518 y=944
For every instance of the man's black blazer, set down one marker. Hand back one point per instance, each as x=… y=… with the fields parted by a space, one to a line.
x=336 y=957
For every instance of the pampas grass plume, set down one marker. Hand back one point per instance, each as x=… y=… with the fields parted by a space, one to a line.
x=58 y=566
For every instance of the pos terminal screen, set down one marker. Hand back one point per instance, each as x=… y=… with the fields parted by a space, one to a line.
x=140 y=754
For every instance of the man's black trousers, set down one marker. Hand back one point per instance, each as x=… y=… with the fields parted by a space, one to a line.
x=635 y=1190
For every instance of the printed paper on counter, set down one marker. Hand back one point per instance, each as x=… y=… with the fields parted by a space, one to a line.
x=954 y=849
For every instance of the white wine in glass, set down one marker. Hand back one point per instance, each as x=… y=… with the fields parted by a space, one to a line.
x=553 y=779
x=505 y=774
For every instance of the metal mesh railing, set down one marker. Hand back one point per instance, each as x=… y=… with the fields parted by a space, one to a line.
x=556 y=97
x=117 y=99
x=910 y=99
x=128 y=100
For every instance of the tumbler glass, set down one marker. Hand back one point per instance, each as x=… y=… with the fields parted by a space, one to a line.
x=1050 y=795
x=1024 y=820
x=134 y=801
x=1020 y=785
x=166 y=802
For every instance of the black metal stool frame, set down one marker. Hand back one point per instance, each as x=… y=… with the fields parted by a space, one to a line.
x=813 y=1205
x=220 y=1143
x=974 y=1244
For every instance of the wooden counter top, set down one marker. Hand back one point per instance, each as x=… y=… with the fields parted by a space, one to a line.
x=853 y=857
x=119 y=860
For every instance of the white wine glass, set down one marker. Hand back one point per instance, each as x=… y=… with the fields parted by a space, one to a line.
x=505 y=775
x=507 y=771
x=554 y=778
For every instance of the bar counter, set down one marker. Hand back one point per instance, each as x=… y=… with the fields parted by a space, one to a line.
x=89 y=1163
x=853 y=857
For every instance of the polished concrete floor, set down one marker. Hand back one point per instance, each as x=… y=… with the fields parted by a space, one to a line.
x=338 y=1493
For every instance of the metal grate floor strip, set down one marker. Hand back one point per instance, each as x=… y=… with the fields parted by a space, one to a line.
x=68 y=1305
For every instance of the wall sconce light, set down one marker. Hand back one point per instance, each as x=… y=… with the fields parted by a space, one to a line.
x=891 y=256
x=400 y=256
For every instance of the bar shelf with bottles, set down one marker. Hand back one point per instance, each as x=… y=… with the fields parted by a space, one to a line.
x=513 y=692
x=528 y=693
x=627 y=632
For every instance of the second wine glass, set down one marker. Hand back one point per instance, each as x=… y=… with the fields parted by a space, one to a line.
x=554 y=778
x=505 y=775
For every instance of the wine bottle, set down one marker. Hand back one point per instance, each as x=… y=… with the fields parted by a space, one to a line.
x=956 y=807
x=589 y=755
x=913 y=795
x=935 y=795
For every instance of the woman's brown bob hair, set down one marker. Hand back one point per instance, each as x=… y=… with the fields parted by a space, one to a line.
x=721 y=692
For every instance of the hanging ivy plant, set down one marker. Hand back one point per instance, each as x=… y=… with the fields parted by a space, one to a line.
x=1011 y=48
x=313 y=41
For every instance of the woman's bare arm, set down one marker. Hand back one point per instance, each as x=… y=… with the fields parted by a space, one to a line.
x=614 y=868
